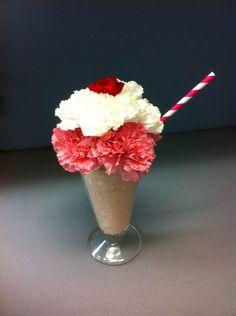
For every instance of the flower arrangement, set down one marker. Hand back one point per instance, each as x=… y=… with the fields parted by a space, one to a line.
x=107 y=125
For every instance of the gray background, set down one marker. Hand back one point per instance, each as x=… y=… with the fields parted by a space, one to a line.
x=50 y=48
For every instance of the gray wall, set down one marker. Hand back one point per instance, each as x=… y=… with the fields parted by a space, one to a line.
x=50 y=48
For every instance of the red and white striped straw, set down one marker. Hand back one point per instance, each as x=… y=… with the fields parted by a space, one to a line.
x=188 y=96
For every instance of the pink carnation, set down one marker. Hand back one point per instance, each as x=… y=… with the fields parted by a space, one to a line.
x=129 y=151
x=74 y=150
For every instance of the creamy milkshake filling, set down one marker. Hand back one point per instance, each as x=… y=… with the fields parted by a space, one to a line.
x=112 y=200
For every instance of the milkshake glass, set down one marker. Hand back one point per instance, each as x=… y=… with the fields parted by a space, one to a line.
x=115 y=241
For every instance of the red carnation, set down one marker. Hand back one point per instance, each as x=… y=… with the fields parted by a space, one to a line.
x=108 y=85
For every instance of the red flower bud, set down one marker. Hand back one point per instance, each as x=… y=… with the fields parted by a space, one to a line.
x=108 y=85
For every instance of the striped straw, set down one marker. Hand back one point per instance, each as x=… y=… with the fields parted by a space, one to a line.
x=188 y=96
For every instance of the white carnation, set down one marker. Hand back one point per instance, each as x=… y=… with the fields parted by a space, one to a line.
x=96 y=113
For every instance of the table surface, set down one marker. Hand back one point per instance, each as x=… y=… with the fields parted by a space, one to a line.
x=184 y=209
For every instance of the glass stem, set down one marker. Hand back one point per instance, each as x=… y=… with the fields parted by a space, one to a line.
x=115 y=239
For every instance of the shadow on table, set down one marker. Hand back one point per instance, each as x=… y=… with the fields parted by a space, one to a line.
x=196 y=146
x=34 y=165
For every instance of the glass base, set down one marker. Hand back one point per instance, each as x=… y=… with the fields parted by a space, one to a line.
x=115 y=250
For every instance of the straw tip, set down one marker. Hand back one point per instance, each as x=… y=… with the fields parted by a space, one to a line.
x=212 y=74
